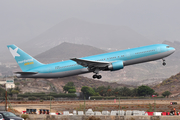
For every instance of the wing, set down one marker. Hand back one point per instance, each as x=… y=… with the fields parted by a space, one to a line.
x=91 y=64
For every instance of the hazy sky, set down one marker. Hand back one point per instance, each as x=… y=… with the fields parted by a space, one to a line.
x=25 y=19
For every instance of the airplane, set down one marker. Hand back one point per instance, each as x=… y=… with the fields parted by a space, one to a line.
x=113 y=61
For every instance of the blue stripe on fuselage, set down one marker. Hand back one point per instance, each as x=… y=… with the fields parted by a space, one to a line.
x=122 y=55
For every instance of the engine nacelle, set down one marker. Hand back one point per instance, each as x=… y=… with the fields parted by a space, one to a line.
x=116 y=66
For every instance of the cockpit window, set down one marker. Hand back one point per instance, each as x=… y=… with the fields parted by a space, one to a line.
x=167 y=46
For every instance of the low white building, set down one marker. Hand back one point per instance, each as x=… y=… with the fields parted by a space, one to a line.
x=2 y=82
x=10 y=83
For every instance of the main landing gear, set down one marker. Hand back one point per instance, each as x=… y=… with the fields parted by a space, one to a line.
x=97 y=76
x=164 y=63
x=96 y=71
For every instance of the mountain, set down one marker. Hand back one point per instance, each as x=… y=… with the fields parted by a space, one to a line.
x=77 y=31
x=171 y=84
x=65 y=51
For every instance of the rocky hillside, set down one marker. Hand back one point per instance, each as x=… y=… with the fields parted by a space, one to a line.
x=80 y=81
x=171 y=84
x=56 y=85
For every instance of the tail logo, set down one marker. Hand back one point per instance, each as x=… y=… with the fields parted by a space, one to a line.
x=14 y=52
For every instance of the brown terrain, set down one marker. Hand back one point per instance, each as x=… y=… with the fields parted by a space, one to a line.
x=162 y=105
x=56 y=85
x=171 y=84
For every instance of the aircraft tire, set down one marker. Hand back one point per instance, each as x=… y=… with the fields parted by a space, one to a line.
x=164 y=63
x=99 y=77
x=94 y=76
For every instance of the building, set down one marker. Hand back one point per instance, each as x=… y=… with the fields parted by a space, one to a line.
x=2 y=82
x=10 y=83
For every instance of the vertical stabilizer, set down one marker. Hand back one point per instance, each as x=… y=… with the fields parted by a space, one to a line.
x=25 y=61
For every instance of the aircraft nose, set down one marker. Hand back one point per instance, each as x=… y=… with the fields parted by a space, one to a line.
x=173 y=50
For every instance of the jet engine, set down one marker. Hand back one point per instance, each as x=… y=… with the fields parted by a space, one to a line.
x=116 y=66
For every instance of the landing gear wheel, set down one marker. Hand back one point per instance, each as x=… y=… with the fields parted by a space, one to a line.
x=95 y=76
x=99 y=77
x=164 y=63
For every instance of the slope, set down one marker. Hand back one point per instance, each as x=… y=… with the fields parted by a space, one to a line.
x=171 y=84
x=56 y=85
x=80 y=81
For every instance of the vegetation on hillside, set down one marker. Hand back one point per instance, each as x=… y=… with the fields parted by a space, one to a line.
x=171 y=84
x=100 y=92
x=45 y=96
x=166 y=93
x=2 y=92
x=69 y=87
x=174 y=78
x=59 y=85
x=145 y=90
x=108 y=91
x=88 y=91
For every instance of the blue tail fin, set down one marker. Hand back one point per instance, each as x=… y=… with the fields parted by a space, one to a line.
x=25 y=61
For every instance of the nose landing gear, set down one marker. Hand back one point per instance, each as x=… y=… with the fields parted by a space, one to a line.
x=164 y=63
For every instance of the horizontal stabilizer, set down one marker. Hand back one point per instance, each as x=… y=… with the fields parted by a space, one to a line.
x=26 y=73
